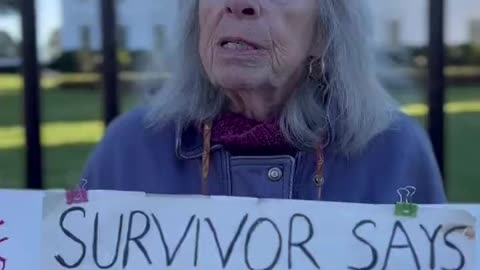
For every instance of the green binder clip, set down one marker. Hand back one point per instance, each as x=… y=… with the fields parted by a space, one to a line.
x=404 y=208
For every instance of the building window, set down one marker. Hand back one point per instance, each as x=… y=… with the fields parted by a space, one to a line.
x=159 y=36
x=86 y=38
x=122 y=37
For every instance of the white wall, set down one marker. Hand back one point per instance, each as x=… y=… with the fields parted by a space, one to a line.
x=475 y=31
x=77 y=14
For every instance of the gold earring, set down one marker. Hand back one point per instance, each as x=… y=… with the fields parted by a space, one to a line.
x=316 y=68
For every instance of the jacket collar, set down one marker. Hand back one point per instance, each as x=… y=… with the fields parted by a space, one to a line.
x=189 y=142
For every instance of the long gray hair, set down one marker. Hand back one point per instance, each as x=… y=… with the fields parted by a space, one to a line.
x=356 y=107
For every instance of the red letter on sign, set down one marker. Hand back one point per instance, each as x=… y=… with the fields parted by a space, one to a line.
x=3 y=261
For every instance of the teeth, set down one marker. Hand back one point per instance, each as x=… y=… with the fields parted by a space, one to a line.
x=238 y=46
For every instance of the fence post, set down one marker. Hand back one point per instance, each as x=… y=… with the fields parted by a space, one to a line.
x=436 y=81
x=31 y=95
x=110 y=64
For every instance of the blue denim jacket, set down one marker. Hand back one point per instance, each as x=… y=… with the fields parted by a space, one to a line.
x=132 y=157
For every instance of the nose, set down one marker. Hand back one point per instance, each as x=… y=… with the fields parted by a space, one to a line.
x=242 y=8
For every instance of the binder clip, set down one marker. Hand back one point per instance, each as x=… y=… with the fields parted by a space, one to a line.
x=79 y=195
x=404 y=208
x=470 y=233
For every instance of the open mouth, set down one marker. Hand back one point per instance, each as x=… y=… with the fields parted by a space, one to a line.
x=237 y=44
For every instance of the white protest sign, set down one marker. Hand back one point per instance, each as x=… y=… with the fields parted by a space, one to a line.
x=20 y=229
x=475 y=211
x=136 y=231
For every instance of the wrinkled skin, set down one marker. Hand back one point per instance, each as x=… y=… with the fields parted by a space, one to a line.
x=256 y=50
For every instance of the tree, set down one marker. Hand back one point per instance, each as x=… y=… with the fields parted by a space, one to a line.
x=476 y=54
x=7 y=6
x=8 y=47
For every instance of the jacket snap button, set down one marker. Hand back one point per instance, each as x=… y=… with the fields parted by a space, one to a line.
x=318 y=181
x=275 y=174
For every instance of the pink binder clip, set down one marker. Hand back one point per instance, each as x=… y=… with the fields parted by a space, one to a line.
x=79 y=195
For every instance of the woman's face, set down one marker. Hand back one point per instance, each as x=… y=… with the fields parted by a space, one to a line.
x=255 y=44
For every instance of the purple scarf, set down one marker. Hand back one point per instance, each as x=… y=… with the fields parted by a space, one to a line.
x=243 y=136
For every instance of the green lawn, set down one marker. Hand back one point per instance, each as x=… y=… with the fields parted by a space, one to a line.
x=71 y=128
x=73 y=117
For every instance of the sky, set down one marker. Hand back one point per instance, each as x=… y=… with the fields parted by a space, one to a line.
x=48 y=19
x=411 y=13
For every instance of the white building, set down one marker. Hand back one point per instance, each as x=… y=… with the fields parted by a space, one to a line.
x=142 y=22
x=412 y=18
x=143 y=25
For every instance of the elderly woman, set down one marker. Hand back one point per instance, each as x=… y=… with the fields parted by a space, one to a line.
x=270 y=99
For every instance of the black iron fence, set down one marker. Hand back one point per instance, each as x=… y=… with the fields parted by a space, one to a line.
x=34 y=175
x=436 y=80
x=31 y=96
